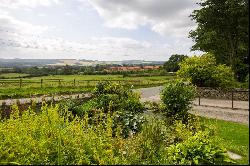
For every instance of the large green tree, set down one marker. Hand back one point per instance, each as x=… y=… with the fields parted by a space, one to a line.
x=223 y=27
x=172 y=65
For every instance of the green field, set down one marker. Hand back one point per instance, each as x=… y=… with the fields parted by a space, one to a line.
x=12 y=75
x=28 y=87
x=235 y=137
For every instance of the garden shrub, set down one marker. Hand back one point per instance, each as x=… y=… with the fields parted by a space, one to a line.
x=177 y=97
x=198 y=149
x=204 y=72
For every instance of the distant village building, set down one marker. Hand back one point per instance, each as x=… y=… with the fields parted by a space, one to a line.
x=132 y=68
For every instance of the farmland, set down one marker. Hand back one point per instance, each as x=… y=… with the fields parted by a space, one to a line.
x=57 y=84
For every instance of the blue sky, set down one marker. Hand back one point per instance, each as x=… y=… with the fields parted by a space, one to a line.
x=96 y=29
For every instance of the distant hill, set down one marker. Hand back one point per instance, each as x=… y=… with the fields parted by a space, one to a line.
x=72 y=62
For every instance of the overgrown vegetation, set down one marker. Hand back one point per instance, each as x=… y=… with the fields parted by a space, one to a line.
x=115 y=99
x=93 y=133
x=203 y=71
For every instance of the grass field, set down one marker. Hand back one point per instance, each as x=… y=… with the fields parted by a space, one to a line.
x=235 y=137
x=12 y=75
x=16 y=88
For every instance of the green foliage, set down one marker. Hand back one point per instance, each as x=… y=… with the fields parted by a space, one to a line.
x=123 y=102
x=223 y=29
x=203 y=71
x=177 y=98
x=76 y=106
x=197 y=149
x=115 y=99
x=247 y=78
x=150 y=145
x=172 y=65
x=50 y=138
x=246 y=83
x=54 y=136
x=223 y=76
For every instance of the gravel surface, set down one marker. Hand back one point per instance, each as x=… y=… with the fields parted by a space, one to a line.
x=227 y=114
x=211 y=108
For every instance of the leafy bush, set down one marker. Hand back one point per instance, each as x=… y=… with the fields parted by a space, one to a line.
x=177 y=98
x=203 y=71
x=198 y=149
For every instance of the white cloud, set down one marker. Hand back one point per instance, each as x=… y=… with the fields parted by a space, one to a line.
x=13 y=4
x=166 y=17
x=8 y=23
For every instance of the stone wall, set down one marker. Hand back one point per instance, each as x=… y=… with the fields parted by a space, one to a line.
x=206 y=92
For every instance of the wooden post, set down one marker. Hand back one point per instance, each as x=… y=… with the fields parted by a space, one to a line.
x=20 y=83
x=232 y=99
x=41 y=83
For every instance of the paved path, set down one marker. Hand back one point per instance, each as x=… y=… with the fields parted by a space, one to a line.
x=212 y=108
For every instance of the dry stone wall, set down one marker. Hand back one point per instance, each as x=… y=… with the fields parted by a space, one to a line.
x=206 y=92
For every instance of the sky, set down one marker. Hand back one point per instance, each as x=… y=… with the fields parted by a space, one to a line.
x=111 y=30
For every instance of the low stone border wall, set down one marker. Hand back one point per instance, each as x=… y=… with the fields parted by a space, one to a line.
x=212 y=93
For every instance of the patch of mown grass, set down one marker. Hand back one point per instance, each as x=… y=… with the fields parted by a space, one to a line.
x=235 y=136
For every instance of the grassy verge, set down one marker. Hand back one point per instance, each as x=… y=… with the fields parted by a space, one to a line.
x=235 y=136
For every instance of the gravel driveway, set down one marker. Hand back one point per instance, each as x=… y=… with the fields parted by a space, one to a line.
x=211 y=108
